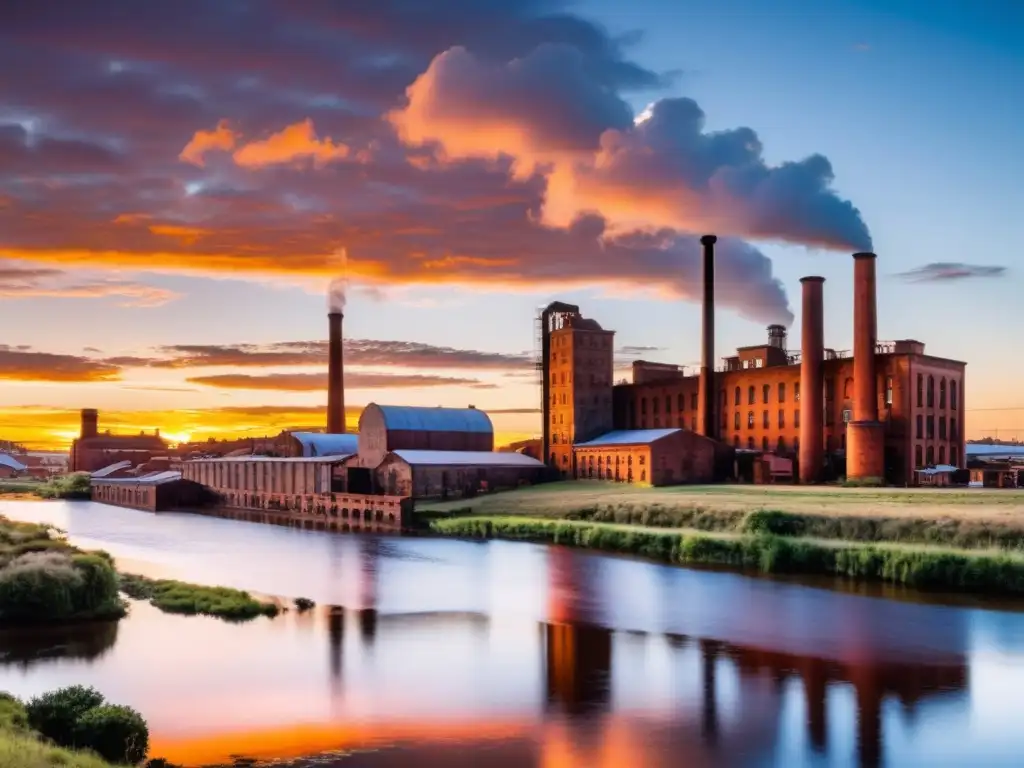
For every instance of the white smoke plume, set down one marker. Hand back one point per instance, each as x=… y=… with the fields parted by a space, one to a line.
x=338 y=289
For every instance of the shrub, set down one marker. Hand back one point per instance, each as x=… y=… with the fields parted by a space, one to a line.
x=12 y=713
x=191 y=599
x=115 y=733
x=304 y=604
x=75 y=486
x=53 y=586
x=55 y=714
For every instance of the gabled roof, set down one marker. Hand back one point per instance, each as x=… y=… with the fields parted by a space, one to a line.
x=628 y=437
x=112 y=468
x=323 y=444
x=7 y=460
x=466 y=458
x=419 y=419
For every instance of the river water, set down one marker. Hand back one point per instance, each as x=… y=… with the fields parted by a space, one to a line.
x=432 y=652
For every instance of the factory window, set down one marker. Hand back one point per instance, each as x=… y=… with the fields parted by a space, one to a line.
x=830 y=389
x=750 y=443
x=930 y=456
x=942 y=427
x=952 y=395
x=953 y=434
x=693 y=401
x=738 y=395
x=930 y=427
x=750 y=419
x=782 y=418
x=654 y=405
x=942 y=454
x=765 y=422
x=796 y=418
x=780 y=446
x=782 y=391
x=668 y=403
x=736 y=420
x=920 y=390
x=954 y=455
x=554 y=379
x=554 y=439
x=847 y=415
x=564 y=400
x=919 y=431
x=736 y=441
x=848 y=389
x=942 y=393
x=764 y=443
x=643 y=406
x=643 y=475
x=796 y=392
x=563 y=377
x=751 y=395
x=759 y=362
x=681 y=403
x=641 y=460
x=931 y=392
x=765 y=392
x=888 y=390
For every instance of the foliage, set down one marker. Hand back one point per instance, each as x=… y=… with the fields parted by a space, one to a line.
x=303 y=604
x=12 y=714
x=74 y=486
x=766 y=552
x=115 y=733
x=23 y=749
x=46 y=586
x=54 y=714
x=191 y=599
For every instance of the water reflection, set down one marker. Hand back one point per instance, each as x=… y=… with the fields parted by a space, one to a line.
x=84 y=642
x=455 y=653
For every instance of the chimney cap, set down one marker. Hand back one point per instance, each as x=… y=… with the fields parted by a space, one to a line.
x=708 y=239
x=812 y=279
x=865 y=255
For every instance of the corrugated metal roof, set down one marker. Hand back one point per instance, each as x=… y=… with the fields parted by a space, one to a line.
x=466 y=458
x=112 y=468
x=984 y=449
x=321 y=444
x=295 y=459
x=628 y=437
x=9 y=461
x=415 y=418
x=153 y=478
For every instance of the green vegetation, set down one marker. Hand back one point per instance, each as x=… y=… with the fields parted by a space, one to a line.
x=975 y=519
x=765 y=551
x=303 y=604
x=50 y=730
x=192 y=599
x=74 y=486
x=44 y=579
x=19 y=486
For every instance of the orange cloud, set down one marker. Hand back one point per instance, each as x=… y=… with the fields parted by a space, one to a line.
x=25 y=364
x=184 y=235
x=295 y=142
x=221 y=138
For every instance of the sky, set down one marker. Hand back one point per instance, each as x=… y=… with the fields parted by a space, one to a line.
x=179 y=184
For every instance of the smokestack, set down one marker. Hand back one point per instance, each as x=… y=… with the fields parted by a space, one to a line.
x=707 y=425
x=335 y=376
x=812 y=379
x=865 y=439
x=90 y=423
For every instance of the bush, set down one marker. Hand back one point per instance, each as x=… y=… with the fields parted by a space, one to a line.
x=76 y=486
x=53 y=586
x=115 y=733
x=192 y=599
x=55 y=714
x=12 y=713
x=304 y=604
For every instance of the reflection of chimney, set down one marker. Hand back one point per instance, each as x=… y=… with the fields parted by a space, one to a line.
x=335 y=376
x=812 y=380
x=706 y=423
x=90 y=422
x=865 y=453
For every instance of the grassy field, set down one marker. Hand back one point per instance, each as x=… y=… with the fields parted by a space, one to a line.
x=966 y=519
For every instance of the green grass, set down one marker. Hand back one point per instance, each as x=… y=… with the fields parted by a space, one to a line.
x=192 y=599
x=768 y=553
x=19 y=486
x=961 y=520
x=21 y=747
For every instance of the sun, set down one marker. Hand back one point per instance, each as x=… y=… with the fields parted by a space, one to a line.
x=176 y=438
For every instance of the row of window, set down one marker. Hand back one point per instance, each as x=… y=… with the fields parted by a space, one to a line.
x=925 y=427
x=928 y=394
x=582 y=340
x=925 y=457
x=766 y=392
x=765 y=419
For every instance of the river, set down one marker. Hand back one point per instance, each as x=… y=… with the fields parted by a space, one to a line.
x=450 y=653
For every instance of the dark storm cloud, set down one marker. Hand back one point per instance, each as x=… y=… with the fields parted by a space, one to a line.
x=950 y=271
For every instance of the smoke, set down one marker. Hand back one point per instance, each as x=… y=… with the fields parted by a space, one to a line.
x=338 y=288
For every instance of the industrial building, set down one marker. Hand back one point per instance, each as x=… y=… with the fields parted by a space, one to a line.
x=91 y=450
x=153 y=492
x=877 y=413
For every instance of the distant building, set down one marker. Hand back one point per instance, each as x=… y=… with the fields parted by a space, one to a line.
x=92 y=450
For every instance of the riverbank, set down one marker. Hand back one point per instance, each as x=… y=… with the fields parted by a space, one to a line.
x=907 y=565
x=958 y=519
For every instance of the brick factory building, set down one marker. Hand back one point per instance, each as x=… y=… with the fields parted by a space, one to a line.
x=649 y=456
x=880 y=412
x=447 y=474
x=155 y=492
x=91 y=450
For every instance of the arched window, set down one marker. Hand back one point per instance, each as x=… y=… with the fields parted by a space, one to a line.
x=780 y=446
x=766 y=391
x=942 y=394
x=750 y=443
x=930 y=456
x=736 y=420
x=764 y=443
x=920 y=390
x=954 y=455
x=750 y=419
x=751 y=395
x=782 y=392
x=942 y=454
x=765 y=420
x=737 y=395
x=952 y=395
x=931 y=391
x=918 y=457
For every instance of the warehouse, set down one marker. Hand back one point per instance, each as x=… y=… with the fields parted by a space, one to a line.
x=454 y=474
x=310 y=444
x=154 y=493
x=647 y=457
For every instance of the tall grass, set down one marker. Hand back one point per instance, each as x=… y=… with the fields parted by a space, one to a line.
x=765 y=552
x=192 y=599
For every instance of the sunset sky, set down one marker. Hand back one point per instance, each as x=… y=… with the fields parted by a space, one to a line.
x=178 y=181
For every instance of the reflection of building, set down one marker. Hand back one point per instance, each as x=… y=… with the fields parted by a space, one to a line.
x=577 y=664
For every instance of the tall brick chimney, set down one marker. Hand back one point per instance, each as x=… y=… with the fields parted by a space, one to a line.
x=335 y=376
x=812 y=379
x=865 y=435
x=90 y=423
x=706 y=422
